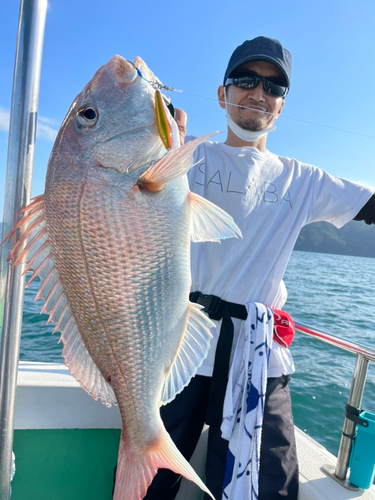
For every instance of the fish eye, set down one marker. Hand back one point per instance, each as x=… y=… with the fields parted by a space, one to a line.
x=88 y=116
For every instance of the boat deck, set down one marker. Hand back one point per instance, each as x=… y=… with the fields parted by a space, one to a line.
x=66 y=445
x=314 y=483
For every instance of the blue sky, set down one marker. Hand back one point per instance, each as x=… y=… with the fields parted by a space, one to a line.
x=188 y=44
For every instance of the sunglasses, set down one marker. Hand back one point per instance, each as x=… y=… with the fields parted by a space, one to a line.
x=273 y=85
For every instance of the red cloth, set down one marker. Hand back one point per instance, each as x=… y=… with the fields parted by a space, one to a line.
x=284 y=329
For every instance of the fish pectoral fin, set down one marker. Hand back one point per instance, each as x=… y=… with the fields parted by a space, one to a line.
x=209 y=222
x=173 y=165
x=33 y=249
x=191 y=353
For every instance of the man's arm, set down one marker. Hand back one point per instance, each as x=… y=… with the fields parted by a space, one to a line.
x=367 y=213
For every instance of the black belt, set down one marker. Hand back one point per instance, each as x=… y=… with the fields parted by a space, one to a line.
x=217 y=309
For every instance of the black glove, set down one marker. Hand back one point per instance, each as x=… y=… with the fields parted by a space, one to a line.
x=367 y=213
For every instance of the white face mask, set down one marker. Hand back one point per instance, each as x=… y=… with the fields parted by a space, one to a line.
x=241 y=133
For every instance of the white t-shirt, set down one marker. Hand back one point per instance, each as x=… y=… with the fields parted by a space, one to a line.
x=270 y=198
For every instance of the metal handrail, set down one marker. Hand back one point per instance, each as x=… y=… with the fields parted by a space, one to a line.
x=364 y=355
x=346 y=345
x=18 y=191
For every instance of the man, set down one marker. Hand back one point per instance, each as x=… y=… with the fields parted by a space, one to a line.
x=270 y=199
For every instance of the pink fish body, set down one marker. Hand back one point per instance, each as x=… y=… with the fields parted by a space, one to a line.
x=110 y=240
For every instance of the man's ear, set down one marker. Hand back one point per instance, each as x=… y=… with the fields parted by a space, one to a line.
x=280 y=108
x=221 y=96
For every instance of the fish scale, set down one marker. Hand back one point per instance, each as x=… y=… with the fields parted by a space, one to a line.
x=133 y=270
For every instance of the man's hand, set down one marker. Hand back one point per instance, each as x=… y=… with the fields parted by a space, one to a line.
x=367 y=213
x=181 y=119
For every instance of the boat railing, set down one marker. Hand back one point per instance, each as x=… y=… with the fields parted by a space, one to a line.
x=364 y=356
x=22 y=132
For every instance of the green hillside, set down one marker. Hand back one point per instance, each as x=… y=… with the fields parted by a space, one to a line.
x=355 y=238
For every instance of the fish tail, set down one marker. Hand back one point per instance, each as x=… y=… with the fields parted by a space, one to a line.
x=169 y=457
x=135 y=471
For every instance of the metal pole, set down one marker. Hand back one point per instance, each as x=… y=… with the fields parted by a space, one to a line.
x=355 y=399
x=17 y=195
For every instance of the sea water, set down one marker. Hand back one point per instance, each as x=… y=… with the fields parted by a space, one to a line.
x=336 y=294
x=333 y=293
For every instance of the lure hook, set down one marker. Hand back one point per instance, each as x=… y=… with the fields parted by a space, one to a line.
x=156 y=85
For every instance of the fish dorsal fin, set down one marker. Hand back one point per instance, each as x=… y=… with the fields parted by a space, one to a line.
x=191 y=353
x=209 y=222
x=33 y=249
x=173 y=165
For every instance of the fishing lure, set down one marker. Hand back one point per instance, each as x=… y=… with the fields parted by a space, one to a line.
x=164 y=126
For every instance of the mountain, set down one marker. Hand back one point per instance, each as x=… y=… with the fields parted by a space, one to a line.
x=355 y=238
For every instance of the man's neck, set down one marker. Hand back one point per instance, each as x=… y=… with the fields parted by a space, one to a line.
x=236 y=142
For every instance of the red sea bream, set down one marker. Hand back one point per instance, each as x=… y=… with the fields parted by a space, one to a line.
x=110 y=240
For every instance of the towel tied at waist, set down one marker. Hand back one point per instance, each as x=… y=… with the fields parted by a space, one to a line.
x=244 y=404
x=236 y=401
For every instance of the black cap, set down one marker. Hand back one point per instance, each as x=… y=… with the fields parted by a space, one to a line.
x=261 y=49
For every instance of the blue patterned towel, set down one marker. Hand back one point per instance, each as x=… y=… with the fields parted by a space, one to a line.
x=244 y=404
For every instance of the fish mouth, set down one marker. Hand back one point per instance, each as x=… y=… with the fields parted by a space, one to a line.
x=126 y=72
x=123 y=71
